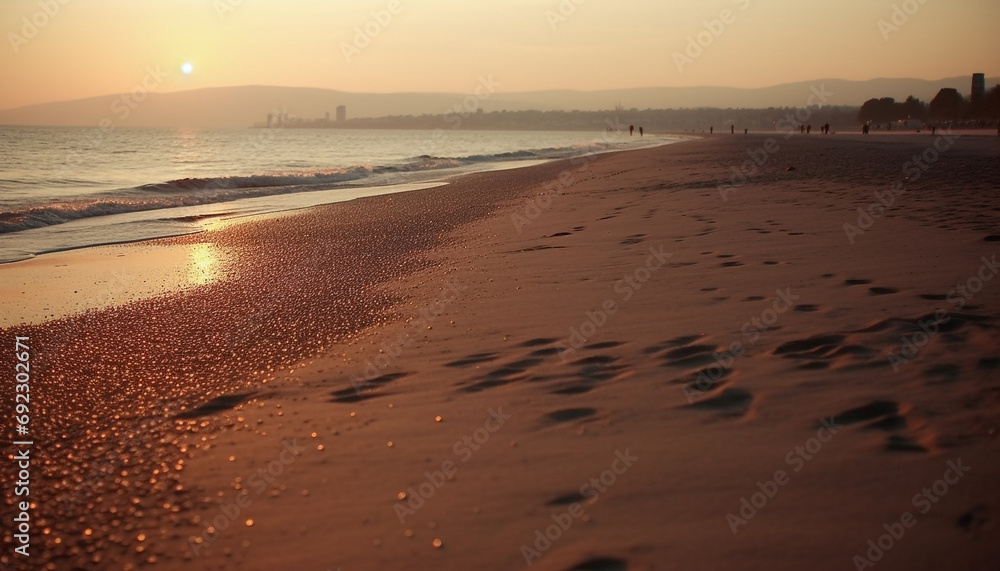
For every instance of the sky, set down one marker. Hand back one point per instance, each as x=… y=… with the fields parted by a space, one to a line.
x=58 y=50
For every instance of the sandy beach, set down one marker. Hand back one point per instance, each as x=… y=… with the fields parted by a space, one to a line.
x=736 y=352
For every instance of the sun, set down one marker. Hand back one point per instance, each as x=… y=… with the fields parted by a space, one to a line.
x=187 y=68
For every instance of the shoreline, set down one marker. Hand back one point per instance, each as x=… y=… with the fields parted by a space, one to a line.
x=84 y=269
x=590 y=248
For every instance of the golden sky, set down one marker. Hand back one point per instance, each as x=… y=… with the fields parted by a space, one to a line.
x=69 y=49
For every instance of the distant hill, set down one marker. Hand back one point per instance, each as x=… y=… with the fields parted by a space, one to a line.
x=243 y=106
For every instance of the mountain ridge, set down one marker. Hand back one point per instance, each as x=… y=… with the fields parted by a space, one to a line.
x=243 y=106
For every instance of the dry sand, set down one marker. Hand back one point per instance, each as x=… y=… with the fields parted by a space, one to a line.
x=513 y=353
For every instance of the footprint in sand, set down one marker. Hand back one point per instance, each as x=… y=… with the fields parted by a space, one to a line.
x=820 y=351
x=899 y=443
x=989 y=363
x=603 y=345
x=882 y=290
x=536 y=249
x=856 y=282
x=570 y=414
x=506 y=374
x=538 y=341
x=730 y=402
x=675 y=342
x=887 y=416
x=690 y=356
x=810 y=347
x=633 y=239
x=871 y=411
x=474 y=359
x=567 y=499
x=992 y=238
x=943 y=374
x=218 y=404
x=703 y=381
x=934 y=297
x=592 y=371
x=365 y=390
x=975 y=519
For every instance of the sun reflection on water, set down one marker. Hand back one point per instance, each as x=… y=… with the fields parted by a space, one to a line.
x=205 y=264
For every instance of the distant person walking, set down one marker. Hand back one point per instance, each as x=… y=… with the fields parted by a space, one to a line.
x=711 y=130
x=732 y=129
x=745 y=131
x=640 y=130
x=630 y=129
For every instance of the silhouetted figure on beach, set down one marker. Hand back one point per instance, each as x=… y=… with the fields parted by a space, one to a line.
x=745 y=131
x=732 y=129
x=711 y=130
x=864 y=129
x=640 y=130
x=809 y=129
x=630 y=129
x=802 y=129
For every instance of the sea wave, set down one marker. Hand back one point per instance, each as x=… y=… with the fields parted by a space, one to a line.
x=209 y=190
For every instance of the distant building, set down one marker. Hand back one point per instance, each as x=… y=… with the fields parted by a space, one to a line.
x=328 y=116
x=341 y=113
x=978 y=87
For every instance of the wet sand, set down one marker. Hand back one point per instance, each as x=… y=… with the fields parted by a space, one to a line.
x=619 y=348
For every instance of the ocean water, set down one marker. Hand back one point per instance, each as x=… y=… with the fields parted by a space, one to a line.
x=64 y=188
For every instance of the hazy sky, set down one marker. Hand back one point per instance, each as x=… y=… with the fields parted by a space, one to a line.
x=94 y=47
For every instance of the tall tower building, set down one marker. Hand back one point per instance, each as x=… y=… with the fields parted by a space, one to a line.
x=341 y=113
x=978 y=87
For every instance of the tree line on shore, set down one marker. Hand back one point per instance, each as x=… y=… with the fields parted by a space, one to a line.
x=652 y=120
x=948 y=106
